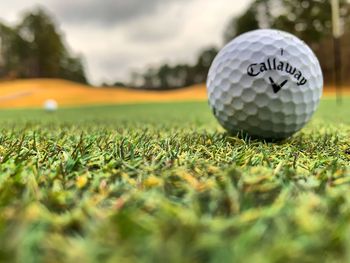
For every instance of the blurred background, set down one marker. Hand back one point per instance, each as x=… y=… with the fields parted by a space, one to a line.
x=85 y=52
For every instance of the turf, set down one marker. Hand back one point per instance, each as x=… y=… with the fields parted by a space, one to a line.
x=164 y=183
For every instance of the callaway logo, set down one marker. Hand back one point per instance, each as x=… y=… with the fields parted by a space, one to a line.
x=274 y=64
x=276 y=88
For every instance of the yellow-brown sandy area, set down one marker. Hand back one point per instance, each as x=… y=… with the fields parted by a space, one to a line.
x=33 y=93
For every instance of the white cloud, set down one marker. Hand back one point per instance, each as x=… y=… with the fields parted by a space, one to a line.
x=108 y=12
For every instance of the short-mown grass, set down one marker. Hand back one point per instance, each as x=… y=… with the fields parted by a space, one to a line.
x=164 y=183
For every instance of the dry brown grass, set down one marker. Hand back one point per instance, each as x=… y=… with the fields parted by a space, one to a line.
x=33 y=93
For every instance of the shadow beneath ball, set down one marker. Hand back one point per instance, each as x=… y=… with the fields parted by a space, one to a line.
x=248 y=138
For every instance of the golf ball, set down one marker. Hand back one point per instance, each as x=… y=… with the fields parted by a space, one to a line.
x=50 y=105
x=265 y=83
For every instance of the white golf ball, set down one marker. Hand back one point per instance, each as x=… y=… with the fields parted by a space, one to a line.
x=50 y=105
x=265 y=83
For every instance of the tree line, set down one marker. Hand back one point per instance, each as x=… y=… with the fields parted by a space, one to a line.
x=310 y=20
x=34 y=48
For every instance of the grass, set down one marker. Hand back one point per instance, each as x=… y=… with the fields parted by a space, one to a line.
x=164 y=183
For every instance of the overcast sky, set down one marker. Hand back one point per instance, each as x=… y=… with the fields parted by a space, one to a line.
x=117 y=37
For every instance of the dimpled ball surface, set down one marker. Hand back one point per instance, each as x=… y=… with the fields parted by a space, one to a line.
x=265 y=83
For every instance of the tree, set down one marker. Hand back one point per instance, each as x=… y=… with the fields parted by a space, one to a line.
x=35 y=49
x=44 y=43
x=72 y=68
x=13 y=50
x=244 y=23
x=170 y=77
x=257 y=15
x=203 y=64
x=310 y=20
